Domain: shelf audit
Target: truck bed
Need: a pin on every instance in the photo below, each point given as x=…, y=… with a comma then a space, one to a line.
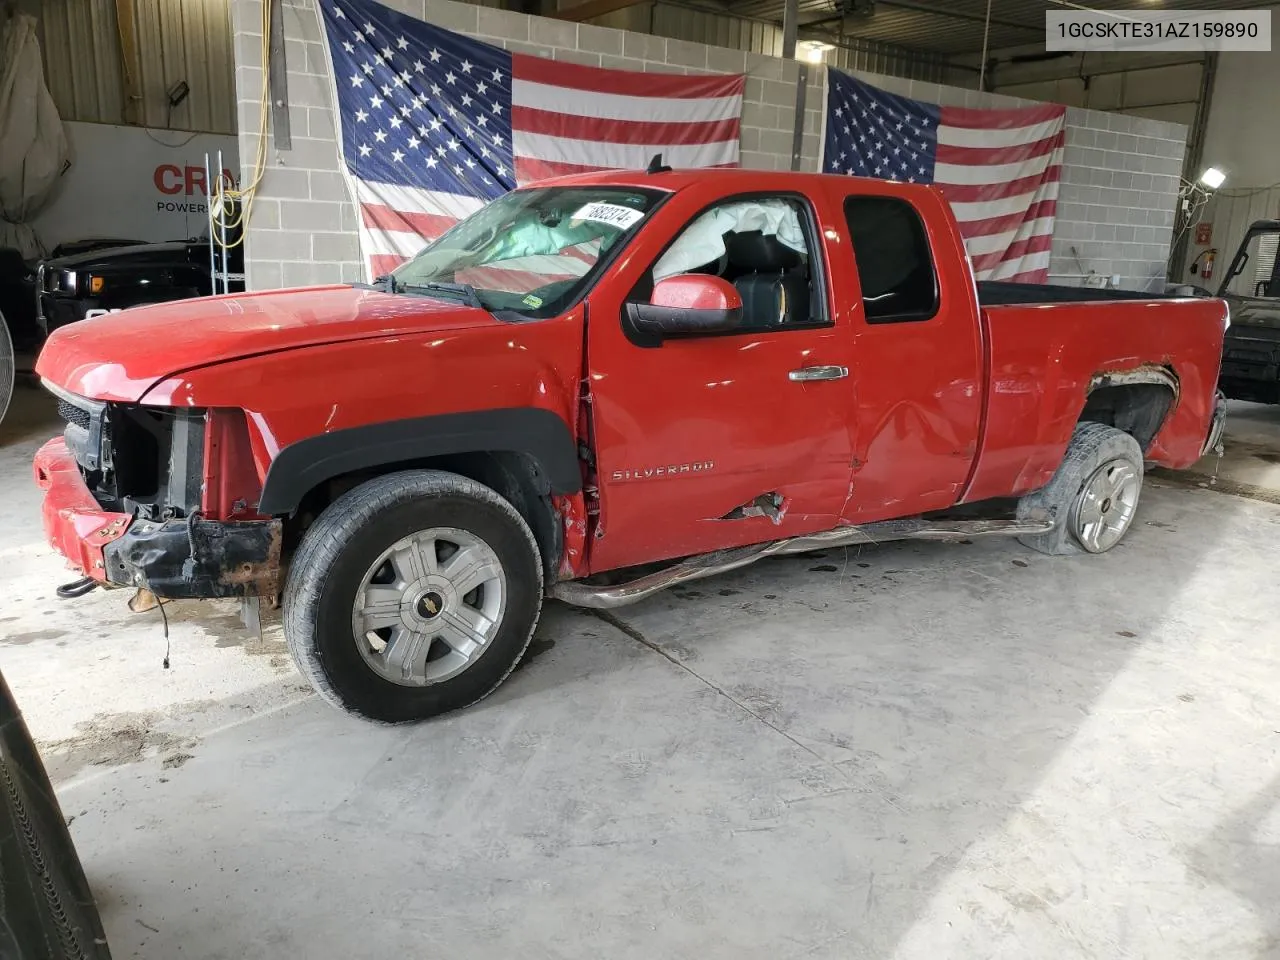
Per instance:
x=997, y=293
x=1040, y=371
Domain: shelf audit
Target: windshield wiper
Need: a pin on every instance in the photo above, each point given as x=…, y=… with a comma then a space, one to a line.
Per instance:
x=385, y=282
x=464, y=290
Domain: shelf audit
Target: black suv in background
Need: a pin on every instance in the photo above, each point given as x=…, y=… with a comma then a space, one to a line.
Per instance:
x=87, y=284
x=18, y=288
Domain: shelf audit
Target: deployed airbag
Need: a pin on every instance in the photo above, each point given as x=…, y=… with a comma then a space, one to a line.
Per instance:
x=703, y=240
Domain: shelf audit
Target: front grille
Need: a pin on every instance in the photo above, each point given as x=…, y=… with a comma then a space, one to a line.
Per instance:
x=73, y=414
x=84, y=432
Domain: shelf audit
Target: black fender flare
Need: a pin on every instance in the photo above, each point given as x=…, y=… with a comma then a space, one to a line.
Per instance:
x=541, y=434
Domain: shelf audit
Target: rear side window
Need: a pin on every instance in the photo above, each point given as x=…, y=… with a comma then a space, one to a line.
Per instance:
x=895, y=264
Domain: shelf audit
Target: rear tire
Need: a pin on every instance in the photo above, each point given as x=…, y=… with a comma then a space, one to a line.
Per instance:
x=412, y=595
x=1092, y=497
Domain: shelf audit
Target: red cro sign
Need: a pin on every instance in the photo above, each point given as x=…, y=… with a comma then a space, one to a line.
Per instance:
x=173, y=181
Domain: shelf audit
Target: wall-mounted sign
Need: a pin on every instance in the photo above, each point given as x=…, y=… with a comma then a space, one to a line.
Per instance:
x=133, y=183
x=1204, y=234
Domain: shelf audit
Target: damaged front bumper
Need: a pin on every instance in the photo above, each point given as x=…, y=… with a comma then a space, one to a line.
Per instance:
x=177, y=559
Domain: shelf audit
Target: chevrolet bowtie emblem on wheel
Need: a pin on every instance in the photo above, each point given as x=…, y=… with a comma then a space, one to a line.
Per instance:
x=430, y=605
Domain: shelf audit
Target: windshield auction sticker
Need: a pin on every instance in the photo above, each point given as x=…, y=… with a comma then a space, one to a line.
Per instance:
x=615, y=215
x=1152, y=30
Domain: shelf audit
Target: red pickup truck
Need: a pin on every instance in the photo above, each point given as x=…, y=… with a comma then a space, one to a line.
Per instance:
x=595, y=388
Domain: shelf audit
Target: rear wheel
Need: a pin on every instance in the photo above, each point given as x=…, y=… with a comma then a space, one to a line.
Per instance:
x=1093, y=496
x=412, y=595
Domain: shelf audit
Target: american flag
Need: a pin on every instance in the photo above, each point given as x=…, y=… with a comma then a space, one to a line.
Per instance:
x=435, y=124
x=999, y=169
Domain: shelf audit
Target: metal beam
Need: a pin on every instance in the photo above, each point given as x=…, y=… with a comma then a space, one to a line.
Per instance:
x=790, y=28
x=278, y=80
x=1194, y=157
x=593, y=8
x=129, y=62
x=918, y=7
x=797, y=129
x=1082, y=72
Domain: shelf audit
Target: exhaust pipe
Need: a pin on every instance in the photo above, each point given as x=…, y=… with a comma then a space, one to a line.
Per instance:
x=581, y=594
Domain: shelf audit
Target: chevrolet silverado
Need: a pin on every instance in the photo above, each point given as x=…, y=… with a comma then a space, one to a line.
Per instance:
x=595, y=388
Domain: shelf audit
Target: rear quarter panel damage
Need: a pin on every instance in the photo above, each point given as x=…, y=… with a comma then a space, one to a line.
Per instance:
x=1044, y=359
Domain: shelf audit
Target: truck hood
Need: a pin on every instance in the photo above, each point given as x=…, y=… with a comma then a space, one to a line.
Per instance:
x=1254, y=312
x=121, y=255
x=120, y=356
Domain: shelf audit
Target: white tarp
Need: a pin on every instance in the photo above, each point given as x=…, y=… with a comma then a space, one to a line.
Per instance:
x=703, y=240
x=34, y=144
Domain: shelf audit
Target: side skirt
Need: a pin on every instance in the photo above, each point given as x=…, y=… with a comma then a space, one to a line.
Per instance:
x=581, y=594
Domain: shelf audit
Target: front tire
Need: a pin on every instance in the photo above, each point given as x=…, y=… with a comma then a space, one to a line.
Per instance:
x=412, y=595
x=1093, y=496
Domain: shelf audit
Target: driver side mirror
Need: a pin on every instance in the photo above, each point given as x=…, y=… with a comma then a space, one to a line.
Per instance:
x=690, y=304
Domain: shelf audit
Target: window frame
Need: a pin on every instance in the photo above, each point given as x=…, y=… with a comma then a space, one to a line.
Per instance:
x=817, y=267
x=916, y=316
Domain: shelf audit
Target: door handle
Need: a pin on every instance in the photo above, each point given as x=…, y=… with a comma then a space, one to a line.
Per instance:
x=806, y=374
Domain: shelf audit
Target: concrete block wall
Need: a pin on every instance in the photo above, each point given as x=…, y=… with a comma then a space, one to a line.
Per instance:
x=1118, y=198
x=1116, y=203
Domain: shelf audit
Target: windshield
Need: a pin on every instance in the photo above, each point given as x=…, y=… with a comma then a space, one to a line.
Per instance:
x=1255, y=272
x=531, y=251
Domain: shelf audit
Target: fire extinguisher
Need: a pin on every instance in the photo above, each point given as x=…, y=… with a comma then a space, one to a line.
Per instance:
x=1203, y=264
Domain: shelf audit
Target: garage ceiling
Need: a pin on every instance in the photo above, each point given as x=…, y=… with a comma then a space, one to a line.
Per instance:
x=947, y=26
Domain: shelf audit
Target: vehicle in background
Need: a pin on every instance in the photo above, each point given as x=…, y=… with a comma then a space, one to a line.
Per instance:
x=93, y=282
x=71, y=248
x=47, y=911
x=595, y=388
x=18, y=288
x=1251, y=287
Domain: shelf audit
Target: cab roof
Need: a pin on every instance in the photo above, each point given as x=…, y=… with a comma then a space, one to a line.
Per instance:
x=744, y=180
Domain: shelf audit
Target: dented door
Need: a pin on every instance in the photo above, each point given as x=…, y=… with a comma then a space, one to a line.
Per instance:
x=706, y=444
x=918, y=379
x=710, y=442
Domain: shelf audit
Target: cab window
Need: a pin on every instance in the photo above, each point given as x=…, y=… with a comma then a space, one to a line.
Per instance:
x=763, y=246
x=895, y=264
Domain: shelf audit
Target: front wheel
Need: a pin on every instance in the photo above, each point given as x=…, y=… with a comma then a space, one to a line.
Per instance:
x=412, y=595
x=1093, y=496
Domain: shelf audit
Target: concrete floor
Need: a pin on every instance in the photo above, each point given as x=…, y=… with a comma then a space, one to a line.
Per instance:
x=916, y=751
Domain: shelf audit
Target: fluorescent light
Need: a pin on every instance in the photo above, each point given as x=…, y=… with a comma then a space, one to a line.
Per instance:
x=1213, y=178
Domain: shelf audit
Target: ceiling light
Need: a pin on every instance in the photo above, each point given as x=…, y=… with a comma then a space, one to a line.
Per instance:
x=813, y=51
x=1213, y=178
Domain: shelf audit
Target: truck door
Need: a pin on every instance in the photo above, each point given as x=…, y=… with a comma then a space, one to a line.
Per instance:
x=716, y=441
x=918, y=376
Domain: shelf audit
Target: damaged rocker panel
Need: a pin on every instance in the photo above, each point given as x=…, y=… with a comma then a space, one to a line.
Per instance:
x=582, y=594
x=772, y=505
